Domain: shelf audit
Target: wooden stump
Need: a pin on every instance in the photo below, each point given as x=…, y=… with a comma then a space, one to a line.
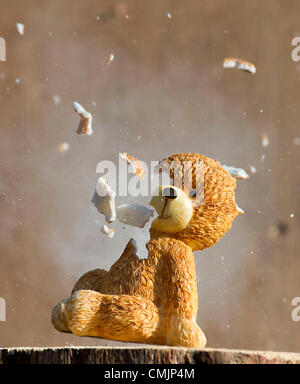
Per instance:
x=141, y=355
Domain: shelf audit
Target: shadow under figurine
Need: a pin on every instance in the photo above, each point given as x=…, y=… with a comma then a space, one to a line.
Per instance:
x=155, y=300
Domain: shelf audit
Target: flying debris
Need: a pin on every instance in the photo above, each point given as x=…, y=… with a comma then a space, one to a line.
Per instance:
x=85, y=125
x=111, y=58
x=109, y=232
x=104, y=200
x=232, y=62
x=56, y=99
x=238, y=173
x=265, y=140
x=297, y=140
x=131, y=214
x=63, y=147
x=20, y=28
x=135, y=164
x=134, y=214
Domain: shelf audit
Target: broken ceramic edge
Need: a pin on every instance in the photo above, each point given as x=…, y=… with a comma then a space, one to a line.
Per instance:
x=136, y=215
x=134, y=244
x=238, y=173
x=240, y=210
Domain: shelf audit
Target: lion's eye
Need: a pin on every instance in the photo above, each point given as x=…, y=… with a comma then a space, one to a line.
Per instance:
x=192, y=193
x=169, y=193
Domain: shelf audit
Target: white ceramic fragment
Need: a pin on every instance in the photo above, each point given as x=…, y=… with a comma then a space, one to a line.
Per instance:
x=109, y=232
x=104, y=200
x=134, y=214
x=233, y=62
x=85, y=125
x=20, y=28
x=238, y=173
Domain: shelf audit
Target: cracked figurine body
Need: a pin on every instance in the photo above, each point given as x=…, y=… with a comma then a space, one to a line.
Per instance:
x=155, y=300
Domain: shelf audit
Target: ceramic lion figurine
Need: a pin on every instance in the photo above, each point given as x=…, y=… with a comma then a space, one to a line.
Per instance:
x=155, y=300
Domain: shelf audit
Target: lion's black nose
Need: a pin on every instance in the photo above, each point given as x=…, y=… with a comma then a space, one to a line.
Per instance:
x=169, y=193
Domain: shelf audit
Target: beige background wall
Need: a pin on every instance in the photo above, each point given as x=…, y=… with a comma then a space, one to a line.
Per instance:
x=166, y=85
